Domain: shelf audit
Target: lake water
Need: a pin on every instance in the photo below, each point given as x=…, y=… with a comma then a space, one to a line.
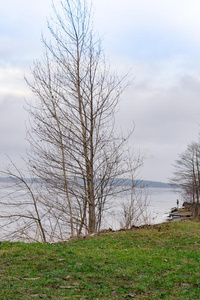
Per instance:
x=159, y=203
x=161, y=200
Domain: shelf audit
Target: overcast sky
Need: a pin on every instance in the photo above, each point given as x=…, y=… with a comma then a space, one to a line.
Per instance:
x=158, y=40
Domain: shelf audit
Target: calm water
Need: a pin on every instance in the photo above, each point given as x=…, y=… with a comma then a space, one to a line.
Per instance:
x=159, y=203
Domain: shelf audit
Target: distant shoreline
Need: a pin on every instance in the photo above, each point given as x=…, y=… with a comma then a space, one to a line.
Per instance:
x=128, y=182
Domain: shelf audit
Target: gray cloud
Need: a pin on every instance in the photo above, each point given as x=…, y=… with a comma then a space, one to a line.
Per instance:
x=12, y=124
x=166, y=120
x=158, y=40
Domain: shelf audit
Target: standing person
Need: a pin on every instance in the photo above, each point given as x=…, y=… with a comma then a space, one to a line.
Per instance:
x=177, y=202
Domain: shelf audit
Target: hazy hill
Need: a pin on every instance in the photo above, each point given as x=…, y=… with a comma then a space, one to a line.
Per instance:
x=127, y=182
x=154, y=184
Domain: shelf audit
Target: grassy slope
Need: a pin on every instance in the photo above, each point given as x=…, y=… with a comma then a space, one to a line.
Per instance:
x=161, y=263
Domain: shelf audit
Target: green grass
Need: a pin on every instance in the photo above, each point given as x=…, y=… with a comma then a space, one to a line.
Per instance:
x=159, y=263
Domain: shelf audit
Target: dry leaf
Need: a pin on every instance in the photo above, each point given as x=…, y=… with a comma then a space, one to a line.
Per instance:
x=67, y=278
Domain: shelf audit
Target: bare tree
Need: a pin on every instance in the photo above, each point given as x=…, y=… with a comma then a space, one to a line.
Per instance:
x=75, y=153
x=74, y=148
x=134, y=207
x=187, y=173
